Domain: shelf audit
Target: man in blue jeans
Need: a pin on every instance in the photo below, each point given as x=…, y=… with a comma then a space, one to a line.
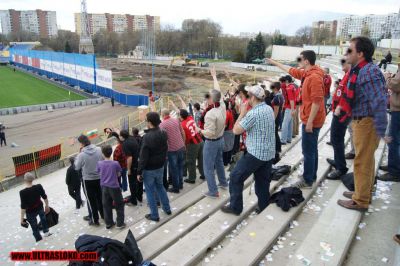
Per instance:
x=393, y=167
x=176, y=149
x=151, y=166
x=312, y=111
x=213, y=132
x=32, y=206
x=259, y=123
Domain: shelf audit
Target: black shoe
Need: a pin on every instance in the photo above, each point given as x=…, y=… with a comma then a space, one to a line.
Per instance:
x=86, y=218
x=91, y=223
x=121, y=226
x=168, y=212
x=148, y=217
x=334, y=175
x=173, y=190
x=331, y=162
x=189, y=181
x=329, y=143
x=283, y=143
x=227, y=209
x=384, y=168
x=110, y=226
x=350, y=156
x=389, y=177
x=158, y=204
x=202, y=177
x=257, y=210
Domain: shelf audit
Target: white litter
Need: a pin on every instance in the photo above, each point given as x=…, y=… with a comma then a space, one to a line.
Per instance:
x=358, y=238
x=207, y=260
x=362, y=225
x=385, y=260
x=270, y=217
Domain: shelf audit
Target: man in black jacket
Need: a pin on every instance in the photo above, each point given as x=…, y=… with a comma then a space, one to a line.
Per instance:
x=151, y=166
x=131, y=151
x=386, y=60
x=73, y=180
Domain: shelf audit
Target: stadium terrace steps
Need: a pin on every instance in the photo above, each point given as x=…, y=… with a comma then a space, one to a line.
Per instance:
x=336, y=227
x=178, y=205
x=195, y=244
x=250, y=245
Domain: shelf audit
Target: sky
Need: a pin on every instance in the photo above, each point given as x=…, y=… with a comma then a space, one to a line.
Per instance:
x=234, y=16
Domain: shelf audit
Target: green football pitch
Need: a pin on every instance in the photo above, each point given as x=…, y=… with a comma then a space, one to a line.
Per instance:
x=21, y=89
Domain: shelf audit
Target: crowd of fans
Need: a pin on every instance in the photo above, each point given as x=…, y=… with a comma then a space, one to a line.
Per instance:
x=237, y=132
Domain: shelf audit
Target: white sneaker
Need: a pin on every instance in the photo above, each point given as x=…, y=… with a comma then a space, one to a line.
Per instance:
x=301, y=184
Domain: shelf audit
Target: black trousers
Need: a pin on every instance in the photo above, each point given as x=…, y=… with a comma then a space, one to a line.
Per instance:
x=135, y=187
x=3, y=139
x=75, y=193
x=94, y=197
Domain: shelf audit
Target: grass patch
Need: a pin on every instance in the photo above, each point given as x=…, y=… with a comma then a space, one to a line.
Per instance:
x=21, y=89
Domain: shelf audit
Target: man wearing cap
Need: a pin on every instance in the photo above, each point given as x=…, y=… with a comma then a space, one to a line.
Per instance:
x=260, y=142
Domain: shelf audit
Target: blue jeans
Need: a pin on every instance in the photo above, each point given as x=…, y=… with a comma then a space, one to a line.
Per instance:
x=247, y=165
x=123, y=181
x=287, y=127
x=338, y=132
x=176, y=161
x=153, y=183
x=31, y=217
x=394, y=145
x=212, y=160
x=309, y=144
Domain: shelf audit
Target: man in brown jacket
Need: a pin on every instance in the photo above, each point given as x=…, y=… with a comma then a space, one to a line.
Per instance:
x=393, y=167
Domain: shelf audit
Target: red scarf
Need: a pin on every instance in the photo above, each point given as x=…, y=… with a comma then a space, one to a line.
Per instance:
x=347, y=101
x=203, y=115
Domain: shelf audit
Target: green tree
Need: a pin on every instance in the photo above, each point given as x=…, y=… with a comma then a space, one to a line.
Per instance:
x=239, y=57
x=251, y=52
x=279, y=39
x=259, y=47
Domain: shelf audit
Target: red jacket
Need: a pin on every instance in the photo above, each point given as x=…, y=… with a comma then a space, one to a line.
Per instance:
x=120, y=157
x=327, y=84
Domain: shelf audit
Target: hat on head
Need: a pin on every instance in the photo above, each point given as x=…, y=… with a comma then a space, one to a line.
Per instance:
x=257, y=91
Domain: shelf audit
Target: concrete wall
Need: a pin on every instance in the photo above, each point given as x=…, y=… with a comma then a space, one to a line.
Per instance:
x=324, y=49
x=41, y=107
x=389, y=43
x=285, y=53
x=263, y=67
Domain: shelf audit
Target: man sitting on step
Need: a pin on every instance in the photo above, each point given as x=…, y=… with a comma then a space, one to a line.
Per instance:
x=260, y=142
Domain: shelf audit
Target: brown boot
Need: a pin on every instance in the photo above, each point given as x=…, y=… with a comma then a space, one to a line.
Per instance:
x=397, y=239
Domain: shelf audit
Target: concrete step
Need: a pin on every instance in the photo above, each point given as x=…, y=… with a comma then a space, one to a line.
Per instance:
x=249, y=246
x=217, y=226
x=330, y=237
x=143, y=227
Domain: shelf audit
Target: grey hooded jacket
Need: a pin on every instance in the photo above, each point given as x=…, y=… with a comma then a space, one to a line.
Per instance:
x=87, y=162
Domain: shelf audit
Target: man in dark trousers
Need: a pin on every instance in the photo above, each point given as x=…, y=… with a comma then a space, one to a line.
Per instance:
x=2, y=135
x=131, y=150
x=112, y=101
x=87, y=162
x=73, y=181
x=386, y=60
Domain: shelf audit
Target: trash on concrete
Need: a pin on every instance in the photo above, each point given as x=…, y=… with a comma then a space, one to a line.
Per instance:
x=362, y=225
x=385, y=260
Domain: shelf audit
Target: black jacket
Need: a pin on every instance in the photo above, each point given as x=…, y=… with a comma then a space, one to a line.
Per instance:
x=110, y=251
x=154, y=150
x=73, y=177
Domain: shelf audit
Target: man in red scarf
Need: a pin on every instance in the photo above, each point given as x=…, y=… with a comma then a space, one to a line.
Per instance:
x=338, y=128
